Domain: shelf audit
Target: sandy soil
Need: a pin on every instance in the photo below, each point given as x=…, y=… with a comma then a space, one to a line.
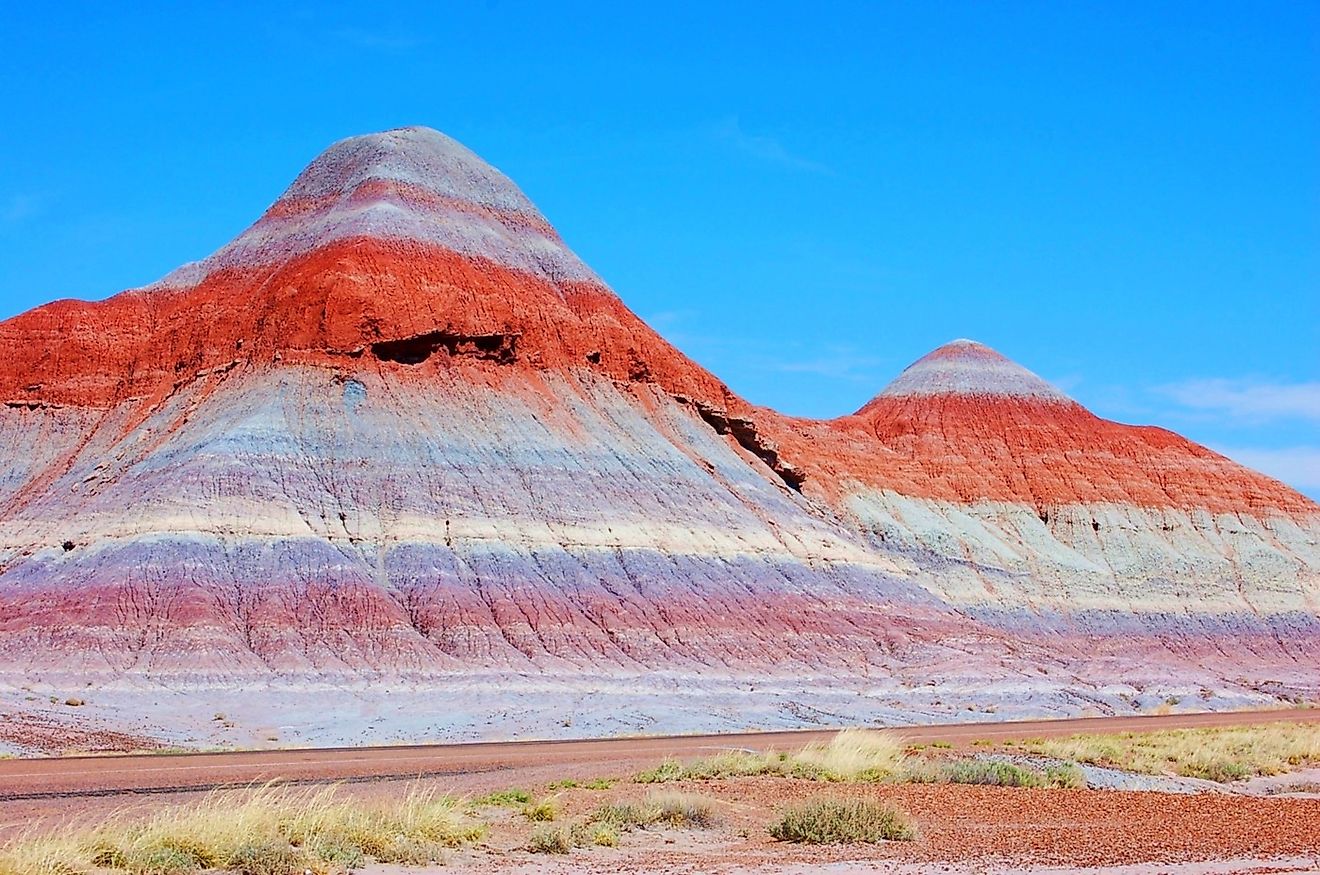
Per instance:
x=962, y=829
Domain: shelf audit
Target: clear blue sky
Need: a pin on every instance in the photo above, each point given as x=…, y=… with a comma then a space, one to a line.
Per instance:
x=1125, y=197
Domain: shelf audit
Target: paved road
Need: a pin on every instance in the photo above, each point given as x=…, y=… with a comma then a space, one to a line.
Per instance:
x=161, y=773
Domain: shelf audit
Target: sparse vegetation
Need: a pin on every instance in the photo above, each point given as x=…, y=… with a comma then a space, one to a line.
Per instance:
x=864, y=756
x=579, y=835
x=542, y=811
x=669, y=809
x=1002, y=774
x=604, y=835
x=505, y=798
x=550, y=841
x=267, y=831
x=851, y=755
x=572, y=783
x=1224, y=755
x=847, y=821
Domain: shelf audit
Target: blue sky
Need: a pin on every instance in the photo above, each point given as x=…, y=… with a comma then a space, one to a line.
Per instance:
x=1124, y=197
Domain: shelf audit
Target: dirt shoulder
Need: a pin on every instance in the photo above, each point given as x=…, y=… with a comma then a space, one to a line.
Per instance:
x=957, y=824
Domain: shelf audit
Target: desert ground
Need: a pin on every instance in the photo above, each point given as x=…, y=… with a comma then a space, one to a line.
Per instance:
x=1190, y=793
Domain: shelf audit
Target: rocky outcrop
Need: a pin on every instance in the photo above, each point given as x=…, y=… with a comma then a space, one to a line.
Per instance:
x=396, y=433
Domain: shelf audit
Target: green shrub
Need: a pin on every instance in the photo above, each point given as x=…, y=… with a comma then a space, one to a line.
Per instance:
x=505, y=798
x=669, y=770
x=843, y=821
x=999, y=774
x=1064, y=775
x=992, y=773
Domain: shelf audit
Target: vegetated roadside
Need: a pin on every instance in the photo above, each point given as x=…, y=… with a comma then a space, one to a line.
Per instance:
x=861, y=795
x=1220, y=754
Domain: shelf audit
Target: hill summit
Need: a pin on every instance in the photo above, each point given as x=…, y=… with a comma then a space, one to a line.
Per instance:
x=965, y=367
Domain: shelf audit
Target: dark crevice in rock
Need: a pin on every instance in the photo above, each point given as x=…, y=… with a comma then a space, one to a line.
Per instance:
x=499, y=347
x=745, y=433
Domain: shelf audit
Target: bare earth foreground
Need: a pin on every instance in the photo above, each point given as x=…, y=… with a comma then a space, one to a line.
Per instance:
x=962, y=828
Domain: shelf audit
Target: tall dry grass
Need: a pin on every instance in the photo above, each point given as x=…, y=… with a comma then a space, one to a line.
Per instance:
x=268, y=830
x=851, y=755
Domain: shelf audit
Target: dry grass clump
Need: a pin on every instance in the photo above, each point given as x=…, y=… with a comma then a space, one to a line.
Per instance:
x=551, y=841
x=579, y=835
x=668, y=809
x=267, y=831
x=542, y=811
x=1228, y=754
x=851, y=755
x=843, y=821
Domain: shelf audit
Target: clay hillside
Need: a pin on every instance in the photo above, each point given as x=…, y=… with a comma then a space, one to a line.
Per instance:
x=395, y=464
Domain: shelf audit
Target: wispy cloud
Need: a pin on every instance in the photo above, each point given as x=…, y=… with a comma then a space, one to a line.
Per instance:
x=1296, y=466
x=1254, y=400
x=837, y=363
x=739, y=355
x=765, y=148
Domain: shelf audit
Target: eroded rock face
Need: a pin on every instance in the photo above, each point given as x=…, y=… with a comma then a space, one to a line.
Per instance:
x=396, y=432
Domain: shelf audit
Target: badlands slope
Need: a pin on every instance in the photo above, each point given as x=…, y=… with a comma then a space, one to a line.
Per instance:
x=395, y=464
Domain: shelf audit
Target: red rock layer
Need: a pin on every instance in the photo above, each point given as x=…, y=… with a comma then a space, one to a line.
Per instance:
x=336, y=301
x=968, y=448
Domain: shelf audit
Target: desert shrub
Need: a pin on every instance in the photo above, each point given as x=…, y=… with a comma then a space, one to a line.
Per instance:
x=682, y=809
x=505, y=798
x=669, y=770
x=550, y=841
x=343, y=856
x=1064, y=775
x=604, y=835
x=992, y=773
x=670, y=809
x=266, y=857
x=843, y=821
x=543, y=811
